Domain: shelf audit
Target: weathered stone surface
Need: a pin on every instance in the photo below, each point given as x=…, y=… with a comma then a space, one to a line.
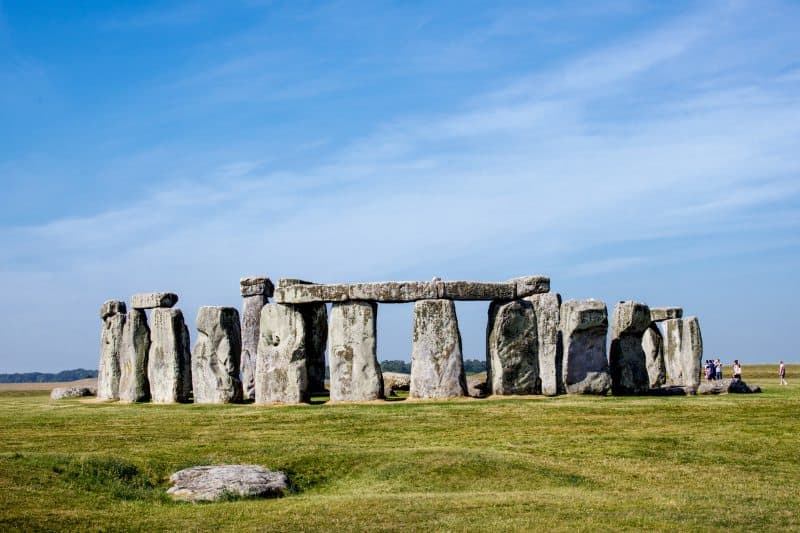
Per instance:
x=256, y=286
x=355, y=372
x=437, y=366
x=291, y=291
x=477, y=290
x=627, y=358
x=281, y=366
x=169, y=364
x=683, y=351
x=65, y=393
x=653, y=346
x=395, y=381
x=112, y=307
x=311, y=293
x=216, y=356
x=108, y=373
x=584, y=328
x=316, y=325
x=672, y=390
x=134, y=385
x=726, y=386
x=212, y=483
x=152, y=300
x=512, y=349
x=393, y=291
x=530, y=285
x=547, y=310
x=251, y=325
x=659, y=314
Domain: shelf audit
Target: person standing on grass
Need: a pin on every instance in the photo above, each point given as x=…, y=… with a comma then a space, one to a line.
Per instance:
x=737, y=370
x=782, y=373
x=718, y=369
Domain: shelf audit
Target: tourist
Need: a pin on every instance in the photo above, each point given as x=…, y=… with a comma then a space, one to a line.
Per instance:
x=707, y=370
x=737, y=370
x=718, y=369
x=782, y=373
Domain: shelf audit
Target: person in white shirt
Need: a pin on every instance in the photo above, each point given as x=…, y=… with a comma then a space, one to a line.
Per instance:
x=737, y=370
x=782, y=373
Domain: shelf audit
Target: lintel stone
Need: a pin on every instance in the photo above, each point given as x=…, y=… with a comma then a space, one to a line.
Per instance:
x=152, y=300
x=660, y=314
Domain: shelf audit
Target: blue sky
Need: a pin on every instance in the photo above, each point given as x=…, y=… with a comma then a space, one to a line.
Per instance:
x=629, y=150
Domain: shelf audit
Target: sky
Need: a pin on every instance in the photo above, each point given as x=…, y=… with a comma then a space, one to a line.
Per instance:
x=629, y=150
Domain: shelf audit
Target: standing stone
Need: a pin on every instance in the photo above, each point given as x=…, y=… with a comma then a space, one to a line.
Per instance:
x=255, y=291
x=216, y=354
x=355, y=372
x=547, y=309
x=437, y=366
x=113, y=314
x=683, y=351
x=627, y=358
x=584, y=328
x=653, y=346
x=133, y=383
x=169, y=365
x=512, y=349
x=281, y=372
x=316, y=326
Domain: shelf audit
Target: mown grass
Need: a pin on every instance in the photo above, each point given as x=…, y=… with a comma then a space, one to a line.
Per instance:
x=565, y=463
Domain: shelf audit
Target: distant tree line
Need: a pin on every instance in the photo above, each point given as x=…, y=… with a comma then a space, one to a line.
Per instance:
x=471, y=366
x=46, y=377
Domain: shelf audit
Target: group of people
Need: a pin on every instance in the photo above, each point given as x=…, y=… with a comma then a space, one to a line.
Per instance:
x=713, y=370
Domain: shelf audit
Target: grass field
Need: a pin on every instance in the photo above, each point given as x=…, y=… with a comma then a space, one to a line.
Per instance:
x=565, y=463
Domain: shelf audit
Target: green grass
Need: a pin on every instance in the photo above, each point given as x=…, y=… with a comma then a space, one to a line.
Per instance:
x=565, y=463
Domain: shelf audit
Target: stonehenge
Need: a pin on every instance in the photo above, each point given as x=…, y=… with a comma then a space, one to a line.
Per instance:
x=113, y=315
x=256, y=292
x=216, y=356
x=437, y=365
x=274, y=352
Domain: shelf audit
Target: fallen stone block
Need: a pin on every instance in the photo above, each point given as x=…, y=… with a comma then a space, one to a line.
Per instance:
x=584, y=329
x=66, y=393
x=437, y=366
x=221, y=482
x=395, y=381
x=152, y=300
x=216, y=356
x=355, y=372
x=169, y=362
